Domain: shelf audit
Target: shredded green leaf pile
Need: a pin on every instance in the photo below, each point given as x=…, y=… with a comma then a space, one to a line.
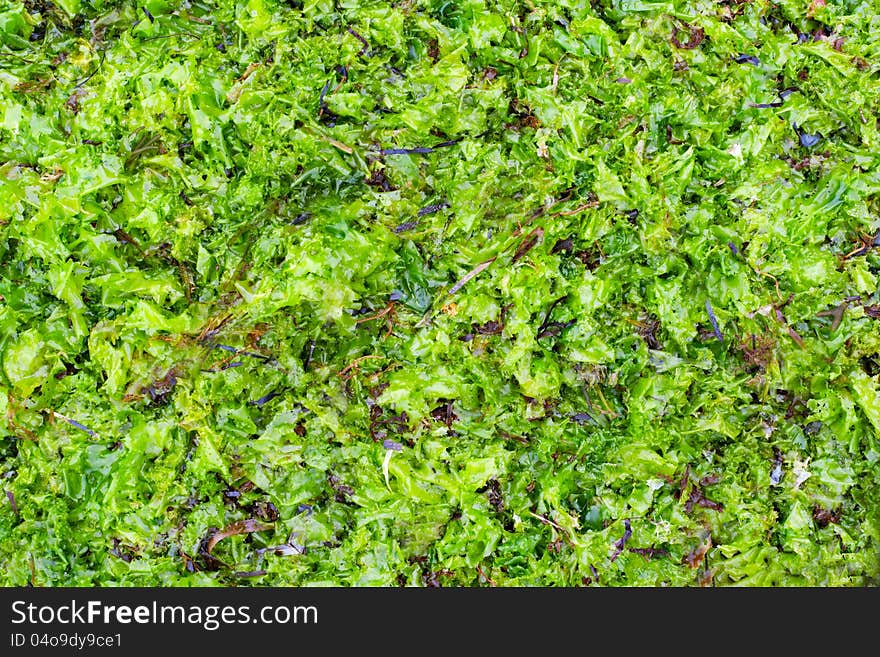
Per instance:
x=439, y=293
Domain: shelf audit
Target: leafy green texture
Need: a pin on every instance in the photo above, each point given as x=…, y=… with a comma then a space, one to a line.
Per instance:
x=440, y=293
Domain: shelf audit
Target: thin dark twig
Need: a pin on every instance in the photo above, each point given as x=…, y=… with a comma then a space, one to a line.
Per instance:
x=324, y=91
x=168, y=36
x=431, y=209
x=265, y=399
x=93, y=73
x=620, y=543
x=12, y=54
x=419, y=150
x=366, y=49
x=76, y=424
x=473, y=272
x=836, y=313
x=528, y=243
x=778, y=103
x=406, y=151
x=549, y=314
x=714, y=320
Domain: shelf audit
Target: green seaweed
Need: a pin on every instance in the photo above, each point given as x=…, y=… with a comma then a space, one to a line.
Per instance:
x=440, y=293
